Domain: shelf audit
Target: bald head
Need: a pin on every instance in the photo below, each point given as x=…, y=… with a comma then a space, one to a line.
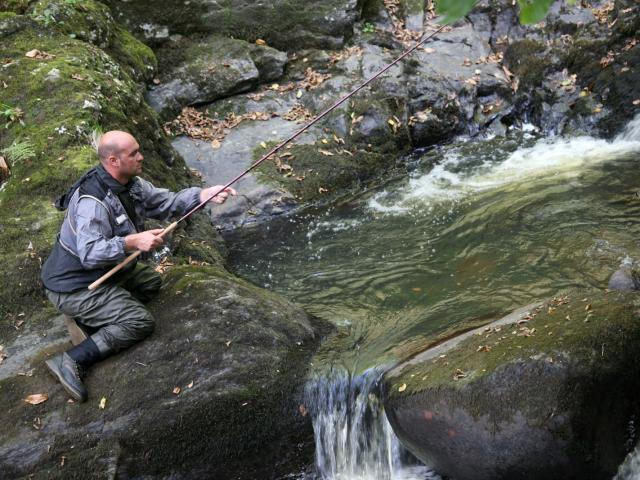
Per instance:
x=113, y=143
x=120, y=155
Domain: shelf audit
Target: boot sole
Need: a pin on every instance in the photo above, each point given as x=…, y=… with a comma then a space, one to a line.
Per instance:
x=77, y=334
x=53, y=369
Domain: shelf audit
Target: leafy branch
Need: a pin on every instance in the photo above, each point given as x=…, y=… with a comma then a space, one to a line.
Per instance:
x=531, y=11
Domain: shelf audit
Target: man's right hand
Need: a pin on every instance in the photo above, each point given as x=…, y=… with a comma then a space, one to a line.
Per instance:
x=143, y=241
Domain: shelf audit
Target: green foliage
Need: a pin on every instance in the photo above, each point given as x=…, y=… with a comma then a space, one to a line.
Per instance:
x=531, y=11
x=12, y=114
x=368, y=28
x=19, y=151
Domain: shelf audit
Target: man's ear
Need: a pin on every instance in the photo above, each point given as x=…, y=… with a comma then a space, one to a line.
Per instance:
x=113, y=161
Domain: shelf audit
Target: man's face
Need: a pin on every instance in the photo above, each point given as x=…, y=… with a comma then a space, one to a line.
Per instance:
x=130, y=159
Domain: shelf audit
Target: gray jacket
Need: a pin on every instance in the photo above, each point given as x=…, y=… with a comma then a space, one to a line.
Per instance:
x=91, y=238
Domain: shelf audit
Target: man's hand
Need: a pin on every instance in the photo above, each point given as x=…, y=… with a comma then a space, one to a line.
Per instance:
x=219, y=198
x=144, y=241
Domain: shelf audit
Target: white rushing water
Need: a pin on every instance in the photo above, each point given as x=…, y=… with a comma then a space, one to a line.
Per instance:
x=354, y=440
x=451, y=179
x=630, y=468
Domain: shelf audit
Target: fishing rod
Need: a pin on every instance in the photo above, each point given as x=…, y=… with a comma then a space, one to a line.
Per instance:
x=315, y=120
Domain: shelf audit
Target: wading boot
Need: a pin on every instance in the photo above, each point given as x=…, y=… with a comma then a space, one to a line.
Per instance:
x=76, y=332
x=69, y=374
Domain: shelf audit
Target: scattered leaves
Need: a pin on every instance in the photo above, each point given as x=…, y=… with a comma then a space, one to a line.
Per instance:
x=348, y=52
x=164, y=265
x=313, y=79
x=196, y=124
x=298, y=113
x=37, y=398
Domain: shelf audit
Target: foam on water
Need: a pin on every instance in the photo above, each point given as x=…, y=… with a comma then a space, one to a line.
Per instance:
x=559, y=157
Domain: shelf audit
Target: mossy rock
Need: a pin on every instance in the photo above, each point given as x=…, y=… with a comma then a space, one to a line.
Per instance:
x=59, y=101
x=526, y=59
x=547, y=392
x=239, y=355
x=14, y=6
x=284, y=24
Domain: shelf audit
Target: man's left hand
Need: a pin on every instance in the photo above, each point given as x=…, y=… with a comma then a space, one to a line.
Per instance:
x=220, y=197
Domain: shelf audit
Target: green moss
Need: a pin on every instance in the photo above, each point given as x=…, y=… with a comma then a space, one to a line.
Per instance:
x=132, y=53
x=6, y=15
x=85, y=20
x=14, y=6
x=526, y=60
x=593, y=328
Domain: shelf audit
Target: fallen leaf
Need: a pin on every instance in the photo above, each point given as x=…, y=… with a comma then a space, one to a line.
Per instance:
x=190, y=384
x=635, y=102
x=459, y=374
x=103, y=403
x=274, y=86
x=325, y=152
x=263, y=145
x=303, y=410
x=176, y=390
x=322, y=190
x=260, y=41
x=227, y=343
x=37, y=398
x=402, y=387
x=39, y=55
x=4, y=169
x=587, y=307
x=215, y=144
x=416, y=289
x=484, y=348
x=77, y=76
x=299, y=93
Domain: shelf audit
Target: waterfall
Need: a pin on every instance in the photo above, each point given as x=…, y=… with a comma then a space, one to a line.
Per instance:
x=630, y=468
x=354, y=440
x=631, y=133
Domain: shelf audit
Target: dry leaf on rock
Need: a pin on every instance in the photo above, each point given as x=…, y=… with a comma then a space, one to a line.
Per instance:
x=176, y=390
x=37, y=398
x=215, y=144
x=260, y=41
x=39, y=55
x=402, y=387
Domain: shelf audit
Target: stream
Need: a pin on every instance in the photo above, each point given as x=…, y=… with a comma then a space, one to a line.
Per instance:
x=475, y=230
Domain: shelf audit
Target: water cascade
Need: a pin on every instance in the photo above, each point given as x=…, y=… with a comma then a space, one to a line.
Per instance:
x=509, y=219
x=354, y=440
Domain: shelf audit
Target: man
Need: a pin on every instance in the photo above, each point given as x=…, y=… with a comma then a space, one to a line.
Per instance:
x=104, y=223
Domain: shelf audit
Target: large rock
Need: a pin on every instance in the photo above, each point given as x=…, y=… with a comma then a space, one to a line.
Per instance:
x=285, y=24
x=547, y=392
x=238, y=353
x=212, y=68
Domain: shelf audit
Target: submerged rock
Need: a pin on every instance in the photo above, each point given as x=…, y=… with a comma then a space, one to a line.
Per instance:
x=547, y=392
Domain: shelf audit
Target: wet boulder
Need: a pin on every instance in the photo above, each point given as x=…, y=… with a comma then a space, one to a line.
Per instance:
x=549, y=391
x=212, y=68
x=211, y=394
